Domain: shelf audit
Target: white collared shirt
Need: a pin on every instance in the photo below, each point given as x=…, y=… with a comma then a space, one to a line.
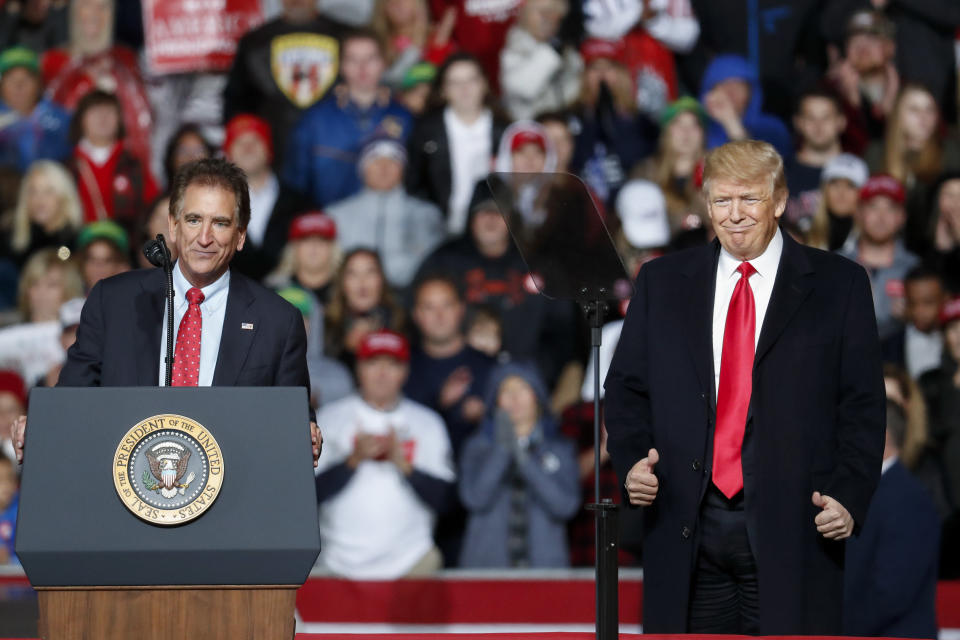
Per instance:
x=761, y=283
x=262, y=202
x=922, y=351
x=212, y=311
x=887, y=463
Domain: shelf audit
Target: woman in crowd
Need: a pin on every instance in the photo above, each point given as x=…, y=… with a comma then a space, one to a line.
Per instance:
x=519, y=479
x=453, y=145
x=945, y=221
x=47, y=213
x=361, y=302
x=941, y=389
x=187, y=144
x=916, y=454
x=404, y=28
x=915, y=152
x=92, y=61
x=840, y=183
x=33, y=346
x=680, y=150
x=311, y=257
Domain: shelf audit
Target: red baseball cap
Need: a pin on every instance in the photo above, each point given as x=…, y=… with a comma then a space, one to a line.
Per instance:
x=11, y=382
x=882, y=185
x=527, y=137
x=315, y=223
x=245, y=123
x=384, y=343
x=950, y=311
x=594, y=49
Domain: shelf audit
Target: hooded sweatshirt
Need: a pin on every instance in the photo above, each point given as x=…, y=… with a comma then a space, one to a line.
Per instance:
x=760, y=126
x=546, y=467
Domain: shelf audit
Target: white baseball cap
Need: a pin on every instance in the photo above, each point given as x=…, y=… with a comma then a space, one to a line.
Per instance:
x=643, y=213
x=846, y=166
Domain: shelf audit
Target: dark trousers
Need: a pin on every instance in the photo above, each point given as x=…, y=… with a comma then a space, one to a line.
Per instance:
x=724, y=595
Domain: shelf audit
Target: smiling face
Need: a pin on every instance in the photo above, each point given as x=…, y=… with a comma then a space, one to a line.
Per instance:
x=744, y=215
x=362, y=283
x=206, y=233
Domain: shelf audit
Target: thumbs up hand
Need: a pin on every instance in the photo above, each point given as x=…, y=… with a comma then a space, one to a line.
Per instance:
x=641, y=484
x=834, y=522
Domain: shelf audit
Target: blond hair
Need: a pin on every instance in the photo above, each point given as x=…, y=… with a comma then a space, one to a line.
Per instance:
x=746, y=161
x=915, y=411
x=380, y=24
x=900, y=162
x=68, y=210
x=39, y=264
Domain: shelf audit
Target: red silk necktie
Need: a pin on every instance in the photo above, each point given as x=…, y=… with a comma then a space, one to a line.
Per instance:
x=736, y=385
x=186, y=357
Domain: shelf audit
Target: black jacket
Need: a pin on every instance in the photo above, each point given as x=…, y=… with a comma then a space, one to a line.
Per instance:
x=817, y=424
x=429, y=173
x=256, y=262
x=266, y=65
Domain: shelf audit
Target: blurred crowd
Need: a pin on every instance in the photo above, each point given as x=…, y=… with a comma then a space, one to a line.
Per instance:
x=455, y=400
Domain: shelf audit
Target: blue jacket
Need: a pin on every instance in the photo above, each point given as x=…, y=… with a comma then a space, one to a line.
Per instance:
x=760, y=126
x=8, y=527
x=41, y=135
x=550, y=472
x=890, y=582
x=322, y=154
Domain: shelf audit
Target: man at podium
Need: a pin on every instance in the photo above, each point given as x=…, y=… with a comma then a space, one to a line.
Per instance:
x=229, y=330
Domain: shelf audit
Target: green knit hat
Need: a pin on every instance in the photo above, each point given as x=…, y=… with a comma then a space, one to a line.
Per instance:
x=298, y=298
x=420, y=73
x=19, y=57
x=682, y=105
x=103, y=230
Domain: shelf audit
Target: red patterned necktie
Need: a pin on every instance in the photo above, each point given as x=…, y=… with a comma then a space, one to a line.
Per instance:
x=186, y=357
x=736, y=385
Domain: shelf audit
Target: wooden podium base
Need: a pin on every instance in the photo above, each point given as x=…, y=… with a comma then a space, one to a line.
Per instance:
x=216, y=612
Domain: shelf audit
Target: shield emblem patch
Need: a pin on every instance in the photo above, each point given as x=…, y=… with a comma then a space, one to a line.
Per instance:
x=304, y=65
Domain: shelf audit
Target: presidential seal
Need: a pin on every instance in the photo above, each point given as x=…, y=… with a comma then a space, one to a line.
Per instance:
x=168, y=469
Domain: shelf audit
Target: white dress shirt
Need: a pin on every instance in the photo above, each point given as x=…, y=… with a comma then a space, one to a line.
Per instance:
x=212, y=310
x=761, y=283
x=470, y=154
x=261, y=207
x=922, y=351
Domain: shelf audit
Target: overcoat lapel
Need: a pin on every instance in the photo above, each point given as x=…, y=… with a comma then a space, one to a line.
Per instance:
x=792, y=286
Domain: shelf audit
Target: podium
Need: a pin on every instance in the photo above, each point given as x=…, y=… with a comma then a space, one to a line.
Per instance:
x=148, y=512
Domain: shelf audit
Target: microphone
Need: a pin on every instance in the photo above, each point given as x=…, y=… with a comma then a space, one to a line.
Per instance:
x=157, y=252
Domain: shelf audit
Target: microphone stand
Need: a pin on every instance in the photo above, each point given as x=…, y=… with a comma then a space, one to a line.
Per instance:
x=157, y=252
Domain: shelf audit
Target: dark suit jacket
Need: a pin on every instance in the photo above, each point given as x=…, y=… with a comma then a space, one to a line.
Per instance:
x=891, y=574
x=816, y=422
x=118, y=341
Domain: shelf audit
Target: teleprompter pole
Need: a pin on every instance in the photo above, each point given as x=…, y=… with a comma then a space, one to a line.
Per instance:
x=605, y=512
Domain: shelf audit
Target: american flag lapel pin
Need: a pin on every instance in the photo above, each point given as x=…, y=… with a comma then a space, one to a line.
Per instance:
x=246, y=325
